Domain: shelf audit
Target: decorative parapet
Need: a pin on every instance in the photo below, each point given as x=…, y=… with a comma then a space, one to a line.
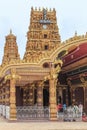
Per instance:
x=41, y=9
x=76, y=38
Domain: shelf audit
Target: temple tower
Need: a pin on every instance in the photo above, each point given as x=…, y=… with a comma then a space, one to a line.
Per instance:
x=10, y=49
x=43, y=35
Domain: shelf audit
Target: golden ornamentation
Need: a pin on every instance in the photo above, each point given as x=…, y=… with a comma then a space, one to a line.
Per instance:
x=13, y=75
x=9, y=53
x=82, y=78
x=69, y=81
x=39, y=100
x=37, y=45
x=43, y=45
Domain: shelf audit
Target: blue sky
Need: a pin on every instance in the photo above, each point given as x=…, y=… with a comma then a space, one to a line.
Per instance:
x=15, y=15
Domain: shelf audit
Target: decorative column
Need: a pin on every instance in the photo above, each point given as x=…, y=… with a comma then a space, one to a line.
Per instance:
x=40, y=99
x=40, y=94
x=52, y=98
x=13, y=112
x=27, y=96
x=12, y=77
x=31, y=95
x=73, y=95
x=85, y=98
x=52, y=77
x=24, y=97
x=84, y=82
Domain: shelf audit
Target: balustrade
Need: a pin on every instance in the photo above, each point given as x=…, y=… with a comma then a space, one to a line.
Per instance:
x=31, y=113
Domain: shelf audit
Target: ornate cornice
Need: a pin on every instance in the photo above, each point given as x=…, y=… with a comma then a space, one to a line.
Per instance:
x=54, y=71
x=13, y=75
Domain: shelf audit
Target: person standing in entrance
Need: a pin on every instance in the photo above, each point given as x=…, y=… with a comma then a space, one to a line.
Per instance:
x=81, y=108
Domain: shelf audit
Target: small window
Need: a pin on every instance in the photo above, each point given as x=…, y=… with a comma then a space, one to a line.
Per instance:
x=46, y=47
x=45, y=35
x=46, y=65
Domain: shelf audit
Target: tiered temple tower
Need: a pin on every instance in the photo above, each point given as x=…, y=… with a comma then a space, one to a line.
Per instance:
x=10, y=49
x=43, y=35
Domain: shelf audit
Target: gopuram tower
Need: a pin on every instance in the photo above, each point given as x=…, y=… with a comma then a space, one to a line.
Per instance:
x=10, y=49
x=43, y=35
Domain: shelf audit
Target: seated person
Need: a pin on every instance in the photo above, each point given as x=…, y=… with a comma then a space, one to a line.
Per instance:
x=59, y=107
x=84, y=117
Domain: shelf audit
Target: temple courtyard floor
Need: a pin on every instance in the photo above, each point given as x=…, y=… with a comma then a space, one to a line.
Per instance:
x=41, y=125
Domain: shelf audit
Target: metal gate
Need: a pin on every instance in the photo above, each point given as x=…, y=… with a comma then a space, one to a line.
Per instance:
x=32, y=113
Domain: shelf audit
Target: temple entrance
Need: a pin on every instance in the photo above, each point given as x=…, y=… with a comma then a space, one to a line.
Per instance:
x=79, y=95
x=45, y=97
x=32, y=112
x=19, y=96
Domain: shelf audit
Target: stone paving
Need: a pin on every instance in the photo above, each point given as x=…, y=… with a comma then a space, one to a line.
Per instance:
x=32, y=125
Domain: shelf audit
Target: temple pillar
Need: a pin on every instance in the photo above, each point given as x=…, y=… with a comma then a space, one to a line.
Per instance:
x=31, y=95
x=40, y=94
x=85, y=99
x=73, y=95
x=55, y=68
x=27, y=96
x=13, y=112
x=52, y=100
x=40, y=99
x=52, y=93
x=24, y=96
x=84, y=83
x=12, y=77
